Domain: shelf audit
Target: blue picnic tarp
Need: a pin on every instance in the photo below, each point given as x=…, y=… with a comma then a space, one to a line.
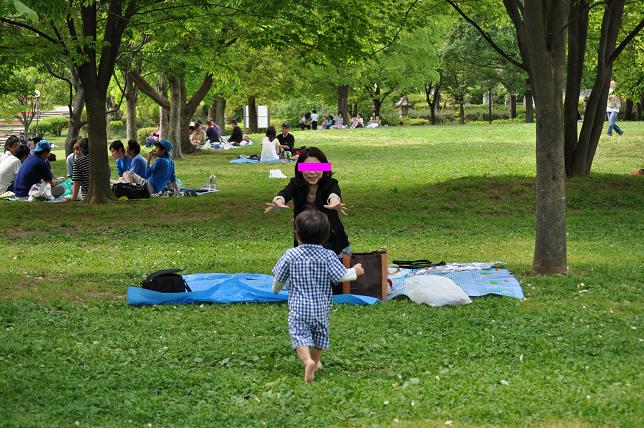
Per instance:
x=227, y=288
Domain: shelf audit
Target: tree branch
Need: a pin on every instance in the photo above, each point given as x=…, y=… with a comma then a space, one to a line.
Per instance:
x=487, y=37
x=32, y=29
x=148, y=90
x=618, y=50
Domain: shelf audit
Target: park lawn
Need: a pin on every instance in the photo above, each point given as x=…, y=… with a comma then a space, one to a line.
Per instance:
x=569, y=355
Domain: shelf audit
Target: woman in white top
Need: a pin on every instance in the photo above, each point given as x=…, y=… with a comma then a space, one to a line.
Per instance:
x=271, y=148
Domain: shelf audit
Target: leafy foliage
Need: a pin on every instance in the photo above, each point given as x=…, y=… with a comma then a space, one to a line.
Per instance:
x=54, y=125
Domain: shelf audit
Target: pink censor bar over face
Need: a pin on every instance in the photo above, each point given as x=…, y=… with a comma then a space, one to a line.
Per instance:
x=313, y=166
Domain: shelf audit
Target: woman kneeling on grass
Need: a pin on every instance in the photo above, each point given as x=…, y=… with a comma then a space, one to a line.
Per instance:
x=316, y=190
x=311, y=270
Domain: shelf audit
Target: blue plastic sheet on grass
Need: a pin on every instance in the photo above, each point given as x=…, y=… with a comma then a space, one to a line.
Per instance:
x=228, y=288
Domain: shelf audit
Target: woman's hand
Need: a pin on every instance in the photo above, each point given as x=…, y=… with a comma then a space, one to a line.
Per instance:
x=336, y=204
x=275, y=204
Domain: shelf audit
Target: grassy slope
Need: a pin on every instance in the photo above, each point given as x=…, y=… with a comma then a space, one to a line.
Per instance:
x=73, y=350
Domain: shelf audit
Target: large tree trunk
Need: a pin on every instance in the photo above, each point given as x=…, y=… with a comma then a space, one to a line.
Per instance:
x=595, y=116
x=577, y=36
x=640, y=107
x=252, y=114
x=343, y=97
x=461, y=111
x=544, y=38
x=164, y=113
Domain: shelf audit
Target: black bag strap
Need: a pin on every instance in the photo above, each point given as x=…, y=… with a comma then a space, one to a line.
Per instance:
x=417, y=264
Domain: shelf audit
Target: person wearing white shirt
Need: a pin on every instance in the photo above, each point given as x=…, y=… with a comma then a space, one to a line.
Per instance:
x=10, y=147
x=10, y=166
x=271, y=147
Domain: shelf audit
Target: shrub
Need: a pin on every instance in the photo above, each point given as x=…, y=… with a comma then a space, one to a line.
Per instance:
x=117, y=128
x=414, y=121
x=143, y=133
x=53, y=125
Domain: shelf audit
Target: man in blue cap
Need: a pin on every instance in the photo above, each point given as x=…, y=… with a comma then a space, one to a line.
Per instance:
x=158, y=173
x=35, y=169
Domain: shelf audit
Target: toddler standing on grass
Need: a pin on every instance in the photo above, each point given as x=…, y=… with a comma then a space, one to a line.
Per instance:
x=310, y=270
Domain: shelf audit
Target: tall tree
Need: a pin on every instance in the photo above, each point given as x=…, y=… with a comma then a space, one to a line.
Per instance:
x=540, y=27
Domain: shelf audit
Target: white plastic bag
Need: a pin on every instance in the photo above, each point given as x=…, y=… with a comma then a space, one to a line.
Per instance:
x=40, y=190
x=435, y=290
x=276, y=173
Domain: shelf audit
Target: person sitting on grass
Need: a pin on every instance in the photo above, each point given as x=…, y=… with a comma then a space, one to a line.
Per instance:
x=212, y=131
x=69, y=162
x=118, y=153
x=198, y=136
x=311, y=270
x=157, y=174
x=271, y=147
x=286, y=139
x=10, y=166
x=138, y=164
x=237, y=135
x=80, y=174
x=10, y=147
x=357, y=122
x=35, y=169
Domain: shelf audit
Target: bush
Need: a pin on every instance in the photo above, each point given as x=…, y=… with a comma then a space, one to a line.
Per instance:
x=53, y=125
x=117, y=128
x=414, y=121
x=143, y=133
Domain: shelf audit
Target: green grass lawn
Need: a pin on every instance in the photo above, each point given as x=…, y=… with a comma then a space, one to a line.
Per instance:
x=570, y=355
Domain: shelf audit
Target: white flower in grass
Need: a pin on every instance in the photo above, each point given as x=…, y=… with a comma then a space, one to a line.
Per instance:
x=450, y=423
x=504, y=382
x=386, y=402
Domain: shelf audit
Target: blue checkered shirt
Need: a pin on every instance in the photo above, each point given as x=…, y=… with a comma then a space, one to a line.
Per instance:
x=311, y=270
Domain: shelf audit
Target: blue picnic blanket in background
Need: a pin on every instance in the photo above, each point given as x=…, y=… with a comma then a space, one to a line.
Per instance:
x=228, y=288
x=475, y=282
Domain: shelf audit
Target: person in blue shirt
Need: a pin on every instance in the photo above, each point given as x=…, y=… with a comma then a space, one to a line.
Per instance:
x=157, y=174
x=118, y=153
x=138, y=164
x=35, y=169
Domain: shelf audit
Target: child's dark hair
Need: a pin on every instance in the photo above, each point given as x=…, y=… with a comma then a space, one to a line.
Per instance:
x=134, y=147
x=117, y=145
x=22, y=151
x=312, y=227
x=310, y=152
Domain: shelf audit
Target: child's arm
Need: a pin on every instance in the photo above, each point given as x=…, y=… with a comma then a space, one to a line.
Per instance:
x=353, y=273
x=277, y=286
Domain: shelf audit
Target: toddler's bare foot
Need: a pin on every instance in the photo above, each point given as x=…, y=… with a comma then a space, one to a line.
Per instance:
x=319, y=366
x=309, y=371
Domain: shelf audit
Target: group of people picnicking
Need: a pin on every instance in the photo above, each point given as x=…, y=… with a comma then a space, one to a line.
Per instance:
x=310, y=120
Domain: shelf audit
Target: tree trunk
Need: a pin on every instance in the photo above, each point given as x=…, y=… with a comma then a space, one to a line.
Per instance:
x=591, y=129
x=461, y=110
x=99, y=184
x=174, y=124
x=343, y=97
x=252, y=114
x=376, y=106
x=529, y=105
x=628, y=111
x=513, y=105
x=131, y=96
x=577, y=36
x=489, y=105
x=432, y=95
x=640, y=107
x=544, y=47
x=220, y=116
x=75, y=113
